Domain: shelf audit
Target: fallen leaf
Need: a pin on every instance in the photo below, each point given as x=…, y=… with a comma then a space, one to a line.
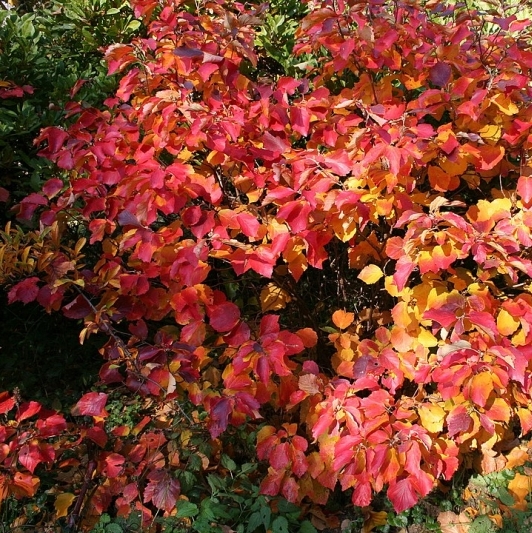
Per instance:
x=453, y=523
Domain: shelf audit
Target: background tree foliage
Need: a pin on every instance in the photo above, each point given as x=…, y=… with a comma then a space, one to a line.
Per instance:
x=300, y=236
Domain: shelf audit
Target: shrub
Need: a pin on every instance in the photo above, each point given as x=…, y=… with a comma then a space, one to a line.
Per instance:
x=339, y=261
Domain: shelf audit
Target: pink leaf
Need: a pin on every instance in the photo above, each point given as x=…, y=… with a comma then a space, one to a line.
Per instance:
x=91, y=404
x=458, y=420
x=524, y=189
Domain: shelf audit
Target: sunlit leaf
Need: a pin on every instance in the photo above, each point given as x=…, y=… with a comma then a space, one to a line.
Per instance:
x=371, y=274
x=274, y=298
x=342, y=319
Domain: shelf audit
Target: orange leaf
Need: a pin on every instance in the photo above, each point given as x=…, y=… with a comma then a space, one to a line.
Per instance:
x=343, y=319
x=24, y=485
x=517, y=457
x=480, y=387
x=273, y=298
x=370, y=274
x=308, y=337
x=503, y=102
x=520, y=487
x=373, y=519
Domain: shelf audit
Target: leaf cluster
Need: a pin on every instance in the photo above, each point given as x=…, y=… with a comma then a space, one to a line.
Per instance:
x=343, y=255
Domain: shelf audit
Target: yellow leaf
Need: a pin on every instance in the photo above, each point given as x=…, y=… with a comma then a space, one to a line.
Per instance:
x=62, y=503
x=491, y=132
x=273, y=298
x=506, y=323
x=432, y=417
x=370, y=274
x=504, y=103
x=342, y=319
x=427, y=339
x=391, y=287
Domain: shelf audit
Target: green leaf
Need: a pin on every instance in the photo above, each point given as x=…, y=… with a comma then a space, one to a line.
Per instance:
x=505, y=496
x=186, y=509
x=285, y=507
x=113, y=528
x=307, y=527
x=228, y=463
x=216, y=483
x=265, y=515
x=134, y=25
x=280, y=525
x=254, y=522
x=482, y=524
x=113, y=11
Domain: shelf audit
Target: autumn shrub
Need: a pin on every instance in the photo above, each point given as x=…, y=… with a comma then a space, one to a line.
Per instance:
x=334, y=261
x=50, y=51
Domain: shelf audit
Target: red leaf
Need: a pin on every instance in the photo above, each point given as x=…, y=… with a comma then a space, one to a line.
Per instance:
x=403, y=269
x=224, y=317
x=195, y=53
x=52, y=187
x=55, y=137
x=362, y=495
x=220, y=416
x=29, y=457
x=79, y=307
x=274, y=144
x=402, y=495
x=485, y=321
x=25, y=291
x=91, y=404
x=97, y=435
x=271, y=484
x=162, y=490
x=290, y=490
x=296, y=215
x=6, y=403
x=113, y=465
x=300, y=118
x=4, y=195
x=280, y=457
x=27, y=410
x=51, y=426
